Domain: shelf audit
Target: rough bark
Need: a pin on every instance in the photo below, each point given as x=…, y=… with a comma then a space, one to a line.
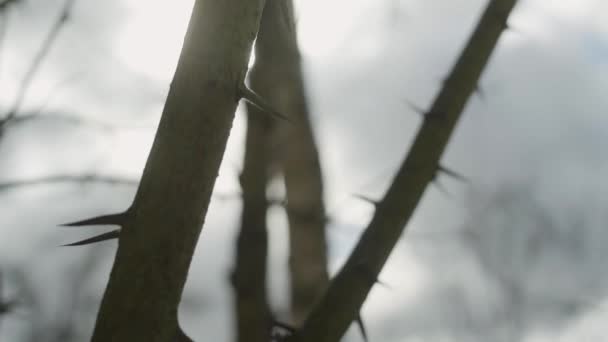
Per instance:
x=348, y=290
x=278, y=56
x=158, y=240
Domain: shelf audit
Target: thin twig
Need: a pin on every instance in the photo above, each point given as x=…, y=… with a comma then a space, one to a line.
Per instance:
x=58, y=179
x=45, y=48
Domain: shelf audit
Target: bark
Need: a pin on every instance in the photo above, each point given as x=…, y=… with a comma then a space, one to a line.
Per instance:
x=157, y=242
x=278, y=55
x=341, y=303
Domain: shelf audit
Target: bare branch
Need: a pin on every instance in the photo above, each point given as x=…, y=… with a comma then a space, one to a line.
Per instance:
x=157, y=243
x=349, y=289
x=46, y=46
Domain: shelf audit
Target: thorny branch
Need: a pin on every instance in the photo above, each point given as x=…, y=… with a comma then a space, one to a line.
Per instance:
x=349, y=289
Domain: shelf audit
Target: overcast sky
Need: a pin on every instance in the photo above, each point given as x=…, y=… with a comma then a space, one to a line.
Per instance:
x=541, y=122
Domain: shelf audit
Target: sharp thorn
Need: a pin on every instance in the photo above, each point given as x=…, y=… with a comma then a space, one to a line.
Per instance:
x=367, y=199
x=284, y=326
x=369, y=274
x=359, y=321
x=504, y=23
x=256, y=100
x=441, y=188
x=415, y=108
x=111, y=219
x=452, y=173
x=98, y=238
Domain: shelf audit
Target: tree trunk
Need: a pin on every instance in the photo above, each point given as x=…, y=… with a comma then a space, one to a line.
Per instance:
x=157, y=241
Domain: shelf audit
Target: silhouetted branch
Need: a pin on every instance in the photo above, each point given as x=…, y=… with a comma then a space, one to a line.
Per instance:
x=348, y=291
x=278, y=59
x=252, y=311
x=174, y=193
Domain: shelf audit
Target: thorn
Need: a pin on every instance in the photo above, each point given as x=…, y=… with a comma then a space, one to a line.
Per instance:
x=359, y=321
x=112, y=219
x=504, y=23
x=503, y=19
x=256, y=100
x=370, y=275
x=451, y=173
x=114, y=234
x=284, y=326
x=415, y=108
x=367, y=199
x=424, y=113
x=441, y=188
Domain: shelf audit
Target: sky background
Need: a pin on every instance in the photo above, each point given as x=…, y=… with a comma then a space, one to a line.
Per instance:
x=517, y=254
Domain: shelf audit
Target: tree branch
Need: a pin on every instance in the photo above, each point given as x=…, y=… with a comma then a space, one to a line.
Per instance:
x=298, y=157
x=157, y=242
x=348, y=291
x=253, y=318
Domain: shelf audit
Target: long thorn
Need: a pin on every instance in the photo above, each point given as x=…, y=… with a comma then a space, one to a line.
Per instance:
x=452, y=173
x=359, y=321
x=112, y=219
x=415, y=108
x=256, y=100
x=441, y=188
x=114, y=234
x=367, y=199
